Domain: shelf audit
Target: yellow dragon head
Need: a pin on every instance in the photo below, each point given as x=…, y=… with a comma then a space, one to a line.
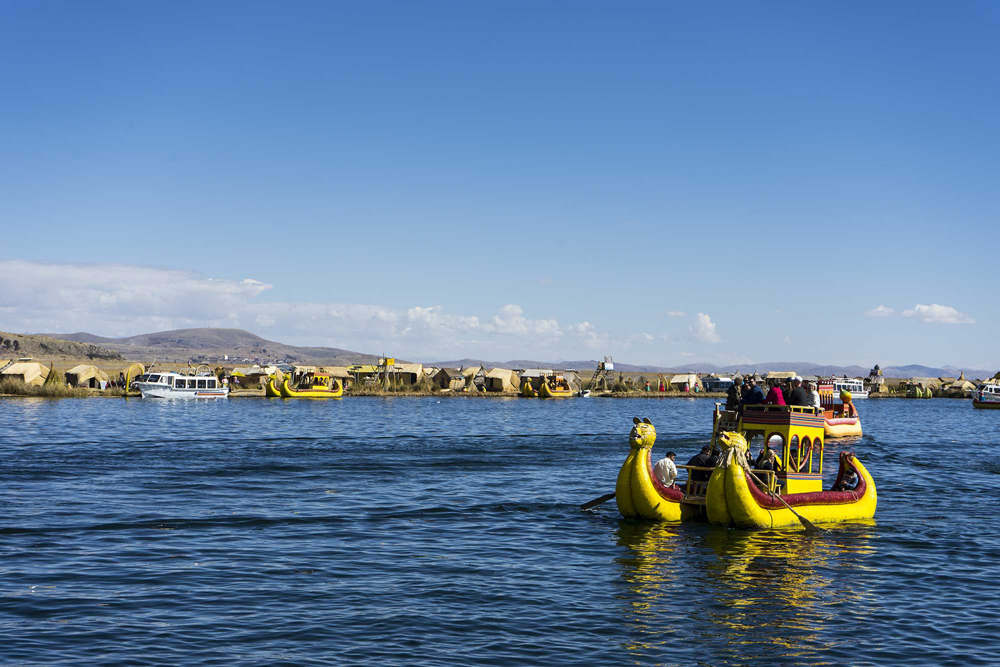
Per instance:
x=732, y=440
x=643, y=434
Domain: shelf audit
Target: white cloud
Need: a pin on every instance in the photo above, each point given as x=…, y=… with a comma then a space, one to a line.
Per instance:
x=686, y=354
x=787, y=339
x=704, y=329
x=880, y=311
x=938, y=314
x=510, y=320
x=123, y=300
x=676, y=313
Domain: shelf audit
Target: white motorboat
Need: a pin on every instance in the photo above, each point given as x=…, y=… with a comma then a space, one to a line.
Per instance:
x=177, y=385
x=836, y=385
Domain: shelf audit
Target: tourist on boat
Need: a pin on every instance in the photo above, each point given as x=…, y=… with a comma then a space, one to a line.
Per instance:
x=812, y=396
x=700, y=460
x=713, y=460
x=775, y=397
x=798, y=396
x=665, y=470
x=734, y=398
x=765, y=460
x=848, y=483
x=754, y=395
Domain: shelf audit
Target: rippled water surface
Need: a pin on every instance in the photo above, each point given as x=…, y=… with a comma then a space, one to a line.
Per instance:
x=416, y=531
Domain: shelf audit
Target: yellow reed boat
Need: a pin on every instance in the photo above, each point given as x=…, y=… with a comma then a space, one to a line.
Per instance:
x=313, y=385
x=555, y=386
x=841, y=419
x=271, y=388
x=638, y=492
x=738, y=495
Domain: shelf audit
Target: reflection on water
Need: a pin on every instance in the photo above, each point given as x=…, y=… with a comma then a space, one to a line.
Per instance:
x=750, y=594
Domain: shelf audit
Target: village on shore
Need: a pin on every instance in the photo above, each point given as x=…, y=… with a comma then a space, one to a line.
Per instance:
x=27, y=376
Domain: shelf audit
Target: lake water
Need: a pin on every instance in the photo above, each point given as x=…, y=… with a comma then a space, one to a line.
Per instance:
x=425, y=532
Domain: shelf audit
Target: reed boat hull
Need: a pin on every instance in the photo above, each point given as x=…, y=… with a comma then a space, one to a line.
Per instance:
x=548, y=392
x=747, y=506
x=638, y=492
x=528, y=391
x=842, y=427
x=288, y=392
x=641, y=496
x=271, y=389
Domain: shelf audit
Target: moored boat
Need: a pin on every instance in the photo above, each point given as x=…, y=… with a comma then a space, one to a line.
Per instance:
x=555, y=386
x=312, y=385
x=176, y=385
x=834, y=385
x=986, y=397
x=271, y=388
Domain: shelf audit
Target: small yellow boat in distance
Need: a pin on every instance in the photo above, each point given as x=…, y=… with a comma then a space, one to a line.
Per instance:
x=271, y=388
x=313, y=385
x=555, y=386
x=841, y=419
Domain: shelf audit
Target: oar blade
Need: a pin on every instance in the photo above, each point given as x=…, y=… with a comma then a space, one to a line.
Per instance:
x=597, y=501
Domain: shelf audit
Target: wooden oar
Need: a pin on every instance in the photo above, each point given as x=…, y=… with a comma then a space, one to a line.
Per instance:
x=809, y=525
x=597, y=501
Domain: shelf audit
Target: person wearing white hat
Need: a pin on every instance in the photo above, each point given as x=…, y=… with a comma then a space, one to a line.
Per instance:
x=799, y=396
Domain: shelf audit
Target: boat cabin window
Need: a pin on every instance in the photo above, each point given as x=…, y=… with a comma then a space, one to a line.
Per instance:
x=776, y=442
x=201, y=384
x=154, y=378
x=211, y=384
x=180, y=383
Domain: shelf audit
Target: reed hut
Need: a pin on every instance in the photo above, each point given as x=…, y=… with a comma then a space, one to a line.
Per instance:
x=501, y=380
x=26, y=371
x=343, y=374
x=87, y=375
x=475, y=377
x=691, y=380
x=409, y=373
x=450, y=378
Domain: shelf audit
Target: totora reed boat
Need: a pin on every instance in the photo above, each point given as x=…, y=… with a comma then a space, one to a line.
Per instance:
x=736, y=493
x=841, y=420
x=555, y=386
x=312, y=385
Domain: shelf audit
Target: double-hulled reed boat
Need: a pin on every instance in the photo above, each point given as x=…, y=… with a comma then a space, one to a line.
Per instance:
x=738, y=494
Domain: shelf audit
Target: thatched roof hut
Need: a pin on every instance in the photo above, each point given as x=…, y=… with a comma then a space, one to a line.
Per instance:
x=28, y=372
x=501, y=380
x=678, y=382
x=86, y=375
x=450, y=378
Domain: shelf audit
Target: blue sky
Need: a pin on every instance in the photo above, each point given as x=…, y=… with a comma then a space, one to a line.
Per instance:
x=555, y=180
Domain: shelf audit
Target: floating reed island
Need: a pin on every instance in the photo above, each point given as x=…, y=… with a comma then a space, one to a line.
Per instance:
x=116, y=378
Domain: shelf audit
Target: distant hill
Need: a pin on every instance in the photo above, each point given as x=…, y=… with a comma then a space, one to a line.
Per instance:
x=47, y=348
x=213, y=345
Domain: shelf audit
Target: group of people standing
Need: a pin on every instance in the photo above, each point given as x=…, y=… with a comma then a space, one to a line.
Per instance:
x=749, y=392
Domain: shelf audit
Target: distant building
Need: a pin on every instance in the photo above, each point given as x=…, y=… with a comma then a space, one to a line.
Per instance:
x=86, y=375
x=450, y=378
x=501, y=380
x=27, y=371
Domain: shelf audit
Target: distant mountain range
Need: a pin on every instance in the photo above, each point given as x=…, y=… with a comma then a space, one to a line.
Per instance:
x=212, y=345
x=801, y=367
